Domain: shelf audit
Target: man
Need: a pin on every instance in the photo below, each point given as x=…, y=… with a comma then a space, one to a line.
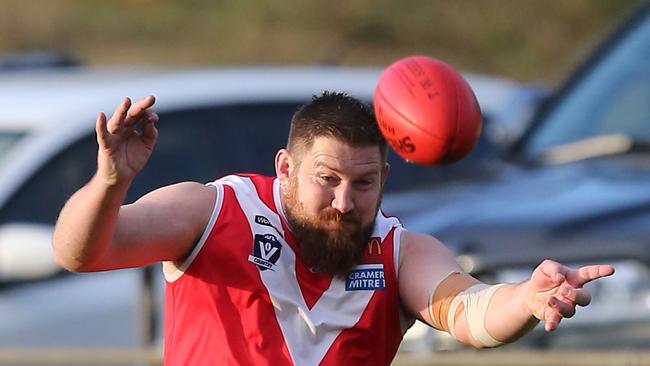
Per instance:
x=300, y=269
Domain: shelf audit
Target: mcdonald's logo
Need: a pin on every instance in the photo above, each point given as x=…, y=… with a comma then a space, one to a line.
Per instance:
x=374, y=243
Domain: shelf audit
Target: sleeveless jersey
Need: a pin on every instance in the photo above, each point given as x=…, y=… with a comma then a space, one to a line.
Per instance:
x=244, y=297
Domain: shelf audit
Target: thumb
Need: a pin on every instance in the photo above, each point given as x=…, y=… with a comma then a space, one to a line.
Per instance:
x=101, y=130
x=149, y=132
x=549, y=274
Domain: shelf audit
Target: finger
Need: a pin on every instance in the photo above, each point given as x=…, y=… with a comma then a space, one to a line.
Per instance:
x=149, y=134
x=148, y=120
x=101, y=130
x=138, y=110
x=148, y=117
x=552, y=321
x=583, y=275
x=564, y=309
x=578, y=296
x=118, y=117
x=554, y=271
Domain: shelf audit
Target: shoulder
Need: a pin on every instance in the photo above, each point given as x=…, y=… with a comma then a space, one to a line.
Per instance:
x=183, y=192
x=417, y=246
x=423, y=264
x=188, y=201
x=424, y=261
x=245, y=182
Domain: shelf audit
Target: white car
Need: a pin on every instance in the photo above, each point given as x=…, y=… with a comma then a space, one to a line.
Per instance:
x=212, y=122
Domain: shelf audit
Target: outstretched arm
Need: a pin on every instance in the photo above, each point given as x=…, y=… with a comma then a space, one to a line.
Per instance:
x=95, y=232
x=438, y=292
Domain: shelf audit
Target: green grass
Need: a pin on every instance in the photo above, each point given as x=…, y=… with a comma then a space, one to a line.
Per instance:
x=537, y=40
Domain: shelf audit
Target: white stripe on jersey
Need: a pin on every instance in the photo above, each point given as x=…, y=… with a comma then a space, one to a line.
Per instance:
x=308, y=333
x=171, y=271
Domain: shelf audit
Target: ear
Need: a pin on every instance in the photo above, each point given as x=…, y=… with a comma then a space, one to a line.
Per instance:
x=384, y=174
x=283, y=164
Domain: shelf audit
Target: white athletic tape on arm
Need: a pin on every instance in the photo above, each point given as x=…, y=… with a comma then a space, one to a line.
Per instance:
x=451, y=316
x=475, y=300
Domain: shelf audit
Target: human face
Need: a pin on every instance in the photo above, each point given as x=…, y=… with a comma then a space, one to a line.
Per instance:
x=331, y=198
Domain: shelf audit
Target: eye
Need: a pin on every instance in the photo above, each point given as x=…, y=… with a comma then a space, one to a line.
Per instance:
x=327, y=179
x=365, y=183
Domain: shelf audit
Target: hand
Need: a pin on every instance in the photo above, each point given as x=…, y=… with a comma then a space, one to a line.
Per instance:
x=126, y=140
x=555, y=290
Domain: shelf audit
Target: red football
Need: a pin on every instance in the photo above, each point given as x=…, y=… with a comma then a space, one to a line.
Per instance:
x=426, y=111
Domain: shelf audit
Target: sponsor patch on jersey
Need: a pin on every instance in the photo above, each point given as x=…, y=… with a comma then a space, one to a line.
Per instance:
x=366, y=277
x=266, y=251
x=262, y=220
x=372, y=253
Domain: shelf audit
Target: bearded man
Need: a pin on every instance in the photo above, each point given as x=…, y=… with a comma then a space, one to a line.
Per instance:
x=298, y=269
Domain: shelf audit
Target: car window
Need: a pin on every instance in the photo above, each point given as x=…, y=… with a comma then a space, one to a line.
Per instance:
x=198, y=144
x=43, y=195
x=405, y=176
x=611, y=99
x=205, y=144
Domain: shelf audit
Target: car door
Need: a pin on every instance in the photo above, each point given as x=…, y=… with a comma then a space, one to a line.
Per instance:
x=104, y=309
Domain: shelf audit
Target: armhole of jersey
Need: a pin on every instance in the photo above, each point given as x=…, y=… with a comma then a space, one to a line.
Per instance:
x=173, y=271
x=397, y=237
x=405, y=319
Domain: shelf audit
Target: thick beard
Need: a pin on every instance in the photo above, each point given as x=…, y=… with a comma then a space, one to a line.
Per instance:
x=334, y=252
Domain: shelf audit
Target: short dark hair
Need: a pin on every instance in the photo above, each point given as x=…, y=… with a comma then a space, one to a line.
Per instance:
x=336, y=115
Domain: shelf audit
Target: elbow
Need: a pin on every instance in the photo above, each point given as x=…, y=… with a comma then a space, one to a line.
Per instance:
x=473, y=342
x=69, y=264
x=64, y=259
x=480, y=345
x=72, y=253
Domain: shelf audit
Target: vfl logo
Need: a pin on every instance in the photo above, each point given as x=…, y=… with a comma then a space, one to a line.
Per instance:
x=266, y=251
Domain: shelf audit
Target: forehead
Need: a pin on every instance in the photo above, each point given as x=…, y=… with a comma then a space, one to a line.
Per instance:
x=329, y=152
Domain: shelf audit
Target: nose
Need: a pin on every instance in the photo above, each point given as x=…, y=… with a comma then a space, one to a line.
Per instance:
x=342, y=201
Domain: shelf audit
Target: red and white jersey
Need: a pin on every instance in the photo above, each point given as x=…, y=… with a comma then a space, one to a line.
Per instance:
x=244, y=297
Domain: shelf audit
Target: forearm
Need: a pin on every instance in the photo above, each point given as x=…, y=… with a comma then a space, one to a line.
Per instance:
x=507, y=318
x=86, y=225
x=504, y=313
x=481, y=315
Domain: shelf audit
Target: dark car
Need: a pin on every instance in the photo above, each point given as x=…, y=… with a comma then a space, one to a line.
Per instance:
x=576, y=189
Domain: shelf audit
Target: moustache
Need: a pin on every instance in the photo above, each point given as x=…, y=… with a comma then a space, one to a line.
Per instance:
x=336, y=216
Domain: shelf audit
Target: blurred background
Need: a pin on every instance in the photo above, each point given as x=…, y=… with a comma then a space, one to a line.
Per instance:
x=561, y=169
x=528, y=40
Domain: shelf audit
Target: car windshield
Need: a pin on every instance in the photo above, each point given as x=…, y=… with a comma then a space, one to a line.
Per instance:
x=609, y=106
